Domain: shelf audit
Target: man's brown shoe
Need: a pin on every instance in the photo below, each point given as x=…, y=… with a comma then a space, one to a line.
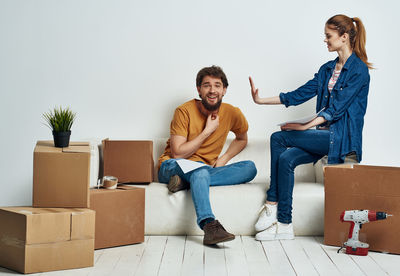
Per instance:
x=176, y=184
x=214, y=233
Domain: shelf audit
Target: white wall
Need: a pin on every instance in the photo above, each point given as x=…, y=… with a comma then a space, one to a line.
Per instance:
x=124, y=66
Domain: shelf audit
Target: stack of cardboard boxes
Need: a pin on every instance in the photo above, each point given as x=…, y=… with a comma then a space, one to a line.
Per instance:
x=68, y=220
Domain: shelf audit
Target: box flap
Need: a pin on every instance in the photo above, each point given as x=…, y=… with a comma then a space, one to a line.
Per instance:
x=46, y=146
x=79, y=143
x=83, y=224
x=126, y=187
x=77, y=149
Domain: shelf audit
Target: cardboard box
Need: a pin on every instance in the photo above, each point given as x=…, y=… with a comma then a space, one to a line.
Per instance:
x=119, y=215
x=61, y=175
x=38, y=240
x=367, y=188
x=129, y=161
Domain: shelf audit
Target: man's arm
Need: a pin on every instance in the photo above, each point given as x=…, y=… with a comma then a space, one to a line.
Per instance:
x=181, y=148
x=237, y=145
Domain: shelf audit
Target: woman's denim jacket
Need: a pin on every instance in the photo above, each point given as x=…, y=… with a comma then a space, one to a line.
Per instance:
x=345, y=106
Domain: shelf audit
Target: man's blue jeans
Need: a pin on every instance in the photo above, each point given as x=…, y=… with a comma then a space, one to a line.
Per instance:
x=202, y=178
x=288, y=150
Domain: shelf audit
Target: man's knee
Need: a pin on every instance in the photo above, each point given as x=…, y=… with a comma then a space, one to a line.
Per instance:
x=250, y=169
x=200, y=174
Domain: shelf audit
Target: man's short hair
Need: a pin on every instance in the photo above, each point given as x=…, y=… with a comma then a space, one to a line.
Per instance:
x=214, y=71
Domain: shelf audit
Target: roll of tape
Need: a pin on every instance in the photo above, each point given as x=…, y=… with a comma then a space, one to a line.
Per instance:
x=110, y=182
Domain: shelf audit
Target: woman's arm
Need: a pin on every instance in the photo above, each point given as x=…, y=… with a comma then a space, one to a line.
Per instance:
x=317, y=121
x=258, y=100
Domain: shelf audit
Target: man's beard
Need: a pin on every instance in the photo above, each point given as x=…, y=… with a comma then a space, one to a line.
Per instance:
x=210, y=107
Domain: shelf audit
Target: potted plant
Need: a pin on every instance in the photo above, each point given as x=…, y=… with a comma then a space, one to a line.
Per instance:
x=60, y=120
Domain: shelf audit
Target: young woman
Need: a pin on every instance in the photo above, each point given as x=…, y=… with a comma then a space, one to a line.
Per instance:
x=341, y=87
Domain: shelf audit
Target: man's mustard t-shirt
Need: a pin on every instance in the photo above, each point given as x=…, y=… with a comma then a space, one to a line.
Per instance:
x=189, y=122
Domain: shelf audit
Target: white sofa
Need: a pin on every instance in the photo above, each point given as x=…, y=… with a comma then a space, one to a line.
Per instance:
x=236, y=206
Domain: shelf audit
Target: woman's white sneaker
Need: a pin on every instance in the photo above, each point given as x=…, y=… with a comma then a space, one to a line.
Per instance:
x=267, y=217
x=268, y=234
x=284, y=232
x=279, y=231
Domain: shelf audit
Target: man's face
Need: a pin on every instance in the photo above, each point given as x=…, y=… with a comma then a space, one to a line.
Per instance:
x=211, y=92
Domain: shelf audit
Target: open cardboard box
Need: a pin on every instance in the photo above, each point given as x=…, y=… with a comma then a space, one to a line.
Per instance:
x=119, y=215
x=363, y=187
x=130, y=161
x=61, y=175
x=46, y=239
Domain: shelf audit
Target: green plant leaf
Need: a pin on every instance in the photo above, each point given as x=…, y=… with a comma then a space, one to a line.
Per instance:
x=59, y=119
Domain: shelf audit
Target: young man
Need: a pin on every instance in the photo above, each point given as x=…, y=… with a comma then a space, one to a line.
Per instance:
x=198, y=132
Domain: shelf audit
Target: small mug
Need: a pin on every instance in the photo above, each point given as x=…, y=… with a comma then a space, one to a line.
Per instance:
x=109, y=182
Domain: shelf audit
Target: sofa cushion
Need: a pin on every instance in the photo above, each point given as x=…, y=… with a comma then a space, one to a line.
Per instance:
x=235, y=206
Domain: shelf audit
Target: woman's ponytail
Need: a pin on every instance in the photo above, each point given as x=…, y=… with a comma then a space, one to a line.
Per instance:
x=359, y=42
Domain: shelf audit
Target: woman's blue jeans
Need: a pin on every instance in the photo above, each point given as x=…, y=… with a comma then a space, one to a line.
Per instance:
x=202, y=178
x=288, y=150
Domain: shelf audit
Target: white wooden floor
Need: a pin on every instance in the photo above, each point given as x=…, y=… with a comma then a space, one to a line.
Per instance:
x=186, y=255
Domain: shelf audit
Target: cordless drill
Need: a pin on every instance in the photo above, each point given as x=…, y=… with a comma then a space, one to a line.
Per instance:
x=357, y=218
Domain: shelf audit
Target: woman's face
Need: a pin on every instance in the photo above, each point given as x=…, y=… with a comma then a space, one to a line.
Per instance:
x=333, y=41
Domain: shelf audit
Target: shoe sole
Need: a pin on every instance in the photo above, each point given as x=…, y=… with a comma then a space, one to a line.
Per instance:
x=175, y=184
x=276, y=237
x=284, y=237
x=219, y=241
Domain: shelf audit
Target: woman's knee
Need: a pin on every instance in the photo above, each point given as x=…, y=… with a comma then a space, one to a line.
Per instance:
x=277, y=137
x=287, y=161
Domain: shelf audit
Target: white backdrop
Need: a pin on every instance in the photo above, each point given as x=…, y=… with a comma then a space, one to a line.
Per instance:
x=123, y=67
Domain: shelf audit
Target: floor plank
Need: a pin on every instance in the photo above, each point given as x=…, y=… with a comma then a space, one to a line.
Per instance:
x=235, y=257
x=368, y=265
x=277, y=258
x=256, y=259
x=298, y=258
x=342, y=261
x=193, y=256
x=214, y=260
x=172, y=259
x=129, y=260
x=151, y=259
x=322, y=263
x=106, y=262
x=389, y=263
